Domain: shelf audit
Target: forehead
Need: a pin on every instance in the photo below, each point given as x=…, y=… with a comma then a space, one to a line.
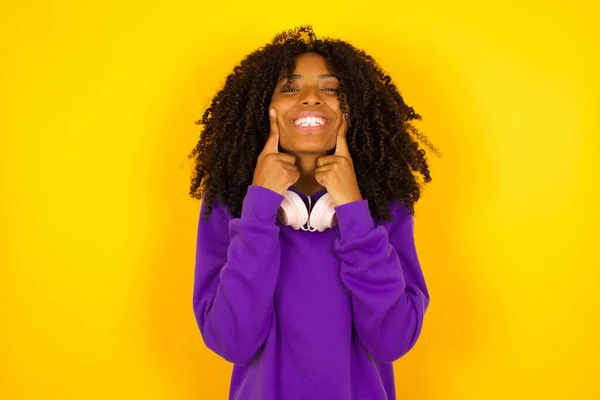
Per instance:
x=311, y=62
x=310, y=66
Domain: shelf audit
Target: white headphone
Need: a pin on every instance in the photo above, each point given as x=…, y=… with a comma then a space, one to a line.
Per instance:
x=292, y=212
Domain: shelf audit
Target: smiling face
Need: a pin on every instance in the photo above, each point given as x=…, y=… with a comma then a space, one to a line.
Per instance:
x=308, y=110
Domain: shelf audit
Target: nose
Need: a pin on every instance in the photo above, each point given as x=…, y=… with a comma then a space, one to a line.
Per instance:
x=311, y=96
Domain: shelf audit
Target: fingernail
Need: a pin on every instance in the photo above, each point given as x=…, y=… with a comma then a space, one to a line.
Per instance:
x=272, y=112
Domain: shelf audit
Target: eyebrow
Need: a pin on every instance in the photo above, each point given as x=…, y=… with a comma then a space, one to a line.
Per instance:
x=294, y=76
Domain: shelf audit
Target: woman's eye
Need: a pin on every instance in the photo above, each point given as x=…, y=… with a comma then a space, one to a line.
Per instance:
x=285, y=90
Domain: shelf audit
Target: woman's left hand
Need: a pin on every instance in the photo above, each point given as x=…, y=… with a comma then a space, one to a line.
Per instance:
x=336, y=172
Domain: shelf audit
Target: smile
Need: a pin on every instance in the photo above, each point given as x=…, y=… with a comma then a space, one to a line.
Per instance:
x=310, y=121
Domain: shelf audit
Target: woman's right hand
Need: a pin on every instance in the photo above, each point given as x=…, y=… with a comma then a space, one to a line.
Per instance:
x=274, y=170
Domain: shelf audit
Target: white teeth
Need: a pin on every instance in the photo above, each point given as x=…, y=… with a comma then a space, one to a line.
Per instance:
x=310, y=121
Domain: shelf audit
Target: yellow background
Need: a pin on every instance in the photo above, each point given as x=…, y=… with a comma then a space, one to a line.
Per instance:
x=98, y=103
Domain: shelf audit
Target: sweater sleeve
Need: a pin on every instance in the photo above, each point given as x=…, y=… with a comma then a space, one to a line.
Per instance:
x=382, y=272
x=236, y=271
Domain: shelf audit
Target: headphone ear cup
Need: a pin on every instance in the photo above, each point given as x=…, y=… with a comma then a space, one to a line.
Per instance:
x=322, y=216
x=292, y=211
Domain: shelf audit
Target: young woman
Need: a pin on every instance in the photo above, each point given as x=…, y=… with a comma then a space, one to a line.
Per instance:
x=306, y=275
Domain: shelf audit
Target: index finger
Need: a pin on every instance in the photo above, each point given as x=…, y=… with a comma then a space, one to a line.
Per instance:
x=272, y=144
x=341, y=146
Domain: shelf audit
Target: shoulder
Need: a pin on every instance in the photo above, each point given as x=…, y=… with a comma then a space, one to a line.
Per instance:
x=219, y=212
x=213, y=227
x=401, y=217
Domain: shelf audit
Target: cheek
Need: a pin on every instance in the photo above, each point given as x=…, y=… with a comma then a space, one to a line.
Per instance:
x=275, y=102
x=334, y=105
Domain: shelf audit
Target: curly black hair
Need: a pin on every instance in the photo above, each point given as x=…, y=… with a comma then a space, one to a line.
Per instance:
x=236, y=125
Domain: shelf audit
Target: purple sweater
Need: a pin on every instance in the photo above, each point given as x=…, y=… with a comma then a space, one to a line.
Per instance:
x=308, y=315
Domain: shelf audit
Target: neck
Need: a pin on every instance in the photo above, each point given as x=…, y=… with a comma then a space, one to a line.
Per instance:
x=307, y=183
